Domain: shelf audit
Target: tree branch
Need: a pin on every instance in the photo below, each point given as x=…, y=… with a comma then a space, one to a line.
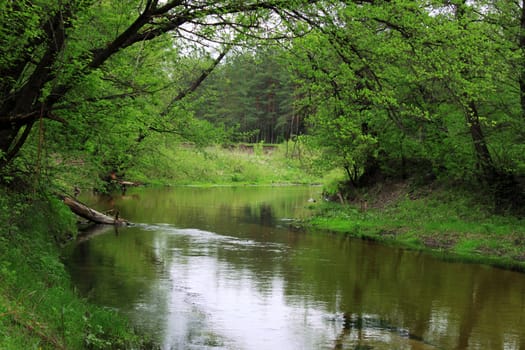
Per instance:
x=204, y=74
x=13, y=151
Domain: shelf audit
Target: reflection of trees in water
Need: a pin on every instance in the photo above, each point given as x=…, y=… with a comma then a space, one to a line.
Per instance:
x=101, y=252
x=262, y=214
x=358, y=327
x=95, y=230
x=453, y=305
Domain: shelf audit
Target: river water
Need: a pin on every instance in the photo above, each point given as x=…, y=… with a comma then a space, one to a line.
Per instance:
x=224, y=268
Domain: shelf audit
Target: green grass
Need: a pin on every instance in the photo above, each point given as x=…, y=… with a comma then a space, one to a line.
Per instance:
x=38, y=307
x=218, y=166
x=450, y=223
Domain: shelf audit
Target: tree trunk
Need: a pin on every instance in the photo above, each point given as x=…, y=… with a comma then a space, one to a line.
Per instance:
x=484, y=159
x=91, y=214
x=521, y=44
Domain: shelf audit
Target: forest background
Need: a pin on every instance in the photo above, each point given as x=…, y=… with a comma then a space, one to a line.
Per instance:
x=352, y=93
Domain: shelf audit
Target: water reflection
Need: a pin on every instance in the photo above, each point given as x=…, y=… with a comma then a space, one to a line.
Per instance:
x=216, y=268
x=262, y=215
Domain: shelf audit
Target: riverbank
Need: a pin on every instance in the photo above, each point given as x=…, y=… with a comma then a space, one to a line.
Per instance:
x=190, y=165
x=450, y=222
x=39, y=308
x=215, y=165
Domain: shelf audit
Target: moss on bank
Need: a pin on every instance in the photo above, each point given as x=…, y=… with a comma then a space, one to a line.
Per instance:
x=449, y=222
x=38, y=306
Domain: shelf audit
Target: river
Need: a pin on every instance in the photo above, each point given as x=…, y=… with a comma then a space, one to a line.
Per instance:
x=225, y=268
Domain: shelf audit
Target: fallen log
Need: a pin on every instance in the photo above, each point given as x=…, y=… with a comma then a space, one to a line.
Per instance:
x=91, y=214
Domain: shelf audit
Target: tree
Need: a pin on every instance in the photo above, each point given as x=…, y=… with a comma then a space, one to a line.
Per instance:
x=59, y=51
x=430, y=82
x=250, y=92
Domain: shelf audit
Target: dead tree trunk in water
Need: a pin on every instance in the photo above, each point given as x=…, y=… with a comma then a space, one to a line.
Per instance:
x=91, y=214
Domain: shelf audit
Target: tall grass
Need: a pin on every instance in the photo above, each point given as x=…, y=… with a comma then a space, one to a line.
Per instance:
x=218, y=165
x=38, y=307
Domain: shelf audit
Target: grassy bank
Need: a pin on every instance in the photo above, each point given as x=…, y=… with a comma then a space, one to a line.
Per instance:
x=452, y=223
x=180, y=164
x=39, y=308
x=239, y=164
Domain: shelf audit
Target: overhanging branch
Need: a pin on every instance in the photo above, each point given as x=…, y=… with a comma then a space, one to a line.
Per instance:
x=197, y=82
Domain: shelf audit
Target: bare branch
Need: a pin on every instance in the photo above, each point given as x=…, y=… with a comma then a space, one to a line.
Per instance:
x=54, y=117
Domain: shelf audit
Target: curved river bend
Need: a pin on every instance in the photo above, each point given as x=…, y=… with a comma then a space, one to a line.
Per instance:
x=221, y=268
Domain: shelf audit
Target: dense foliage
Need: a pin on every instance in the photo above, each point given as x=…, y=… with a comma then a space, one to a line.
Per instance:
x=418, y=87
x=381, y=88
x=395, y=89
x=91, y=80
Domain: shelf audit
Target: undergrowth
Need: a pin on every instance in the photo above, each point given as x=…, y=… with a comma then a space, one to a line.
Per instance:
x=38, y=307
